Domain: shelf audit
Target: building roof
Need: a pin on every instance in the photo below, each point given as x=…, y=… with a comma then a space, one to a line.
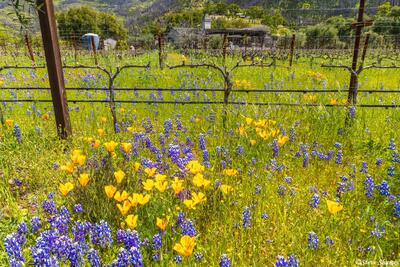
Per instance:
x=254, y=31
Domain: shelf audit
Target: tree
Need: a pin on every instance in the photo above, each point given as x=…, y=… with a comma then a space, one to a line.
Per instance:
x=76, y=21
x=384, y=9
x=322, y=36
x=255, y=12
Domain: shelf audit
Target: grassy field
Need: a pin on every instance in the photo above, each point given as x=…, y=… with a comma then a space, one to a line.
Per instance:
x=319, y=186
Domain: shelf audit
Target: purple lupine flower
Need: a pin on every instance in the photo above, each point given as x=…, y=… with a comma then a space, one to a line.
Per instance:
x=224, y=261
x=369, y=186
x=313, y=241
x=315, y=200
x=384, y=189
x=246, y=218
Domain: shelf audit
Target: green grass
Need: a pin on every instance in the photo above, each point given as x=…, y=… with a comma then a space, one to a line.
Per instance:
x=285, y=232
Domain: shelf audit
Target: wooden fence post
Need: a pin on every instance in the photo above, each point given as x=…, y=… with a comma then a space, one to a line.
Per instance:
x=54, y=66
x=359, y=25
x=94, y=48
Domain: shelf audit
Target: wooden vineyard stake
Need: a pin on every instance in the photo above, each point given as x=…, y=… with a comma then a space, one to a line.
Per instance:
x=94, y=48
x=292, y=45
x=359, y=25
x=48, y=29
x=29, y=46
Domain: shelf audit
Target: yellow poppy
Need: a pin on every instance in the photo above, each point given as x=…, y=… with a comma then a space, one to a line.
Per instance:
x=110, y=190
x=148, y=184
x=110, y=146
x=150, y=172
x=226, y=189
x=162, y=223
x=195, y=167
x=126, y=147
x=103, y=119
x=190, y=204
x=185, y=246
x=230, y=172
x=83, y=179
x=9, y=122
x=283, y=140
x=66, y=188
x=249, y=121
x=69, y=168
x=160, y=177
x=121, y=196
x=119, y=176
x=96, y=144
x=46, y=117
x=130, y=129
x=136, y=166
x=139, y=199
x=253, y=142
x=242, y=130
x=177, y=185
x=100, y=131
x=161, y=186
x=198, y=197
x=125, y=207
x=131, y=221
x=333, y=206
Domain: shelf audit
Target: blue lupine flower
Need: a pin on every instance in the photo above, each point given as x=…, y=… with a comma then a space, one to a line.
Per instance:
x=378, y=231
x=352, y=112
x=136, y=257
x=397, y=209
x=305, y=160
x=35, y=224
x=391, y=171
x=369, y=186
x=378, y=162
x=198, y=256
x=328, y=241
x=49, y=206
x=275, y=148
x=364, y=167
x=94, y=259
x=187, y=228
x=392, y=145
x=122, y=259
x=258, y=189
x=288, y=179
x=202, y=141
x=157, y=241
x=246, y=218
x=339, y=157
x=384, y=189
x=224, y=261
x=240, y=150
x=264, y=216
x=22, y=228
x=13, y=246
x=315, y=200
x=290, y=262
x=78, y=208
x=281, y=190
x=156, y=256
x=101, y=234
x=292, y=135
x=313, y=241
x=17, y=133
x=178, y=259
